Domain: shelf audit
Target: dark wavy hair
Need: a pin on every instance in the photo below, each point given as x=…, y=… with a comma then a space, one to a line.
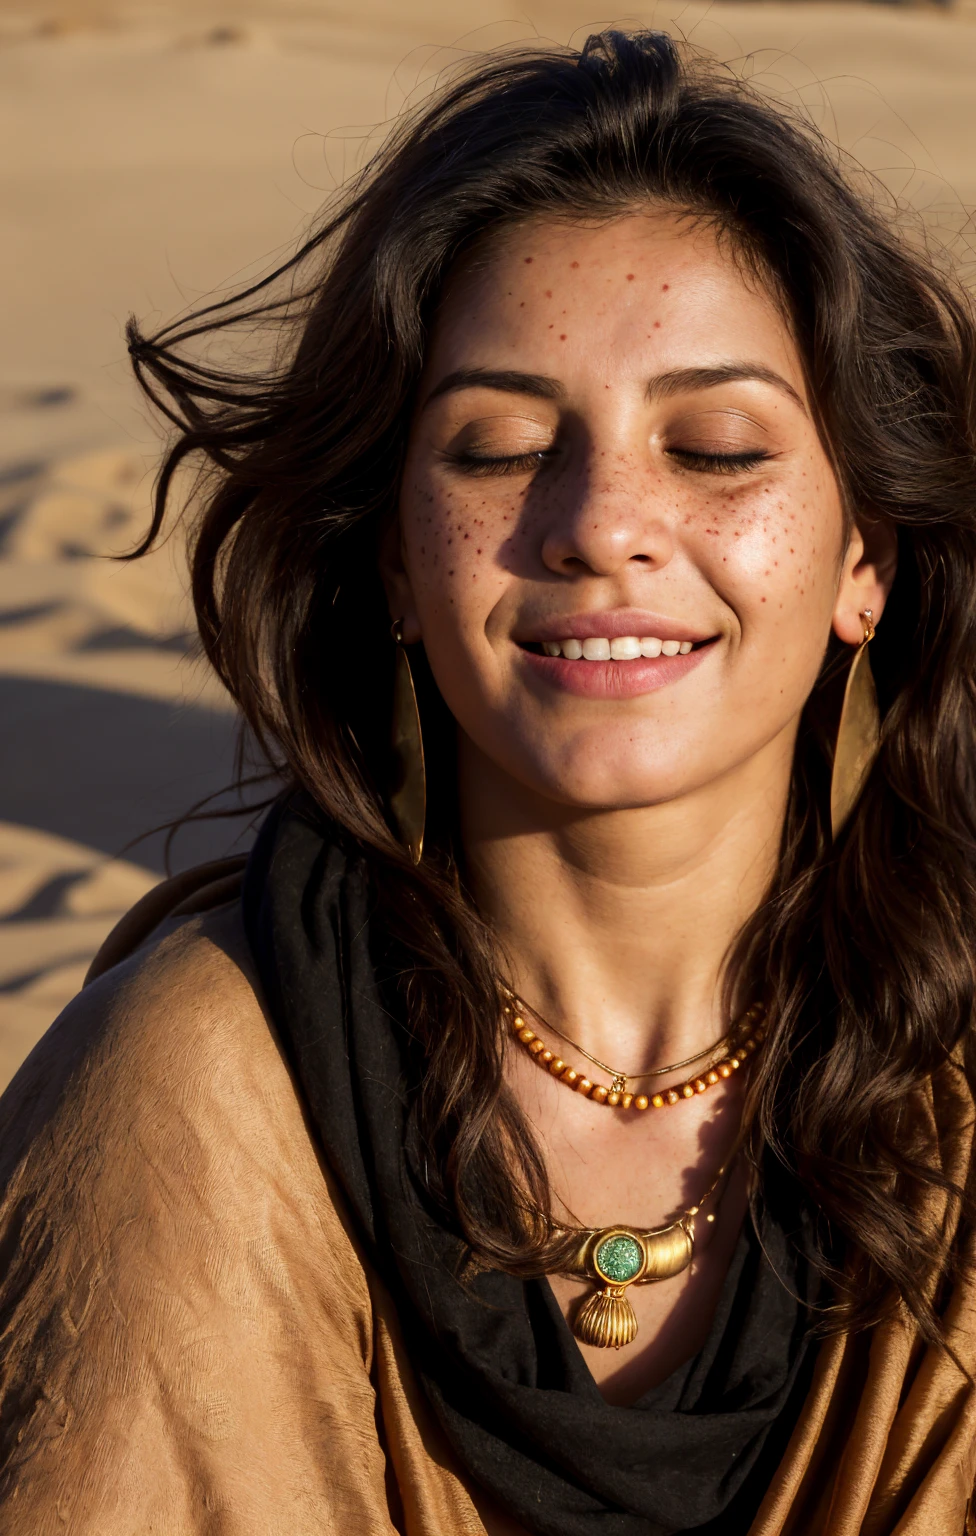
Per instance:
x=863, y=950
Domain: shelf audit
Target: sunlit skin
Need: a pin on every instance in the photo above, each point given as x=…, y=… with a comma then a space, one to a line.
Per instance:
x=643, y=459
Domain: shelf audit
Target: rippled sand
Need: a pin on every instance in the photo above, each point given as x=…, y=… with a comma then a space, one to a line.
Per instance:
x=153, y=153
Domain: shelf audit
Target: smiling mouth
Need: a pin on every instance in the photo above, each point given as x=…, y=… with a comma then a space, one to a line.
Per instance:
x=621, y=648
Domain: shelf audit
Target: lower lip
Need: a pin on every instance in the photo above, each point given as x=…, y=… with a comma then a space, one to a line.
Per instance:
x=613, y=679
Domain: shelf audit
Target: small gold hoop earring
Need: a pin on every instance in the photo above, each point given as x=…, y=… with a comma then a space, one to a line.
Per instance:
x=408, y=799
x=858, y=733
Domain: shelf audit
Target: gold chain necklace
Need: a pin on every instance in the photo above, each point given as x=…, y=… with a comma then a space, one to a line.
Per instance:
x=746, y=1035
x=616, y=1257
x=621, y=1077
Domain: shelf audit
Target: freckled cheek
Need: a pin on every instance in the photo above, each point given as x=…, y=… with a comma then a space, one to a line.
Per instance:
x=451, y=541
x=768, y=551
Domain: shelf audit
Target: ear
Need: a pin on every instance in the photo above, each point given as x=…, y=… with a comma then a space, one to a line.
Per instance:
x=867, y=574
x=396, y=581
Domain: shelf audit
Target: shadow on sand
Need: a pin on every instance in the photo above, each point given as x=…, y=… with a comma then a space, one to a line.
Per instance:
x=104, y=768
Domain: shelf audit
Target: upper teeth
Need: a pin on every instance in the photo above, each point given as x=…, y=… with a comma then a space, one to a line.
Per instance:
x=626, y=648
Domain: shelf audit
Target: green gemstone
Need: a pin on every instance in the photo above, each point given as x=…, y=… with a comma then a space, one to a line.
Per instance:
x=620, y=1258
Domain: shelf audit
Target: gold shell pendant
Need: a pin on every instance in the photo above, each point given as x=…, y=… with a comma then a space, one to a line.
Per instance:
x=606, y=1320
x=619, y=1257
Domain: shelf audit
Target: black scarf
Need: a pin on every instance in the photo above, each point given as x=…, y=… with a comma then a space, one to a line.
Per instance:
x=495, y=1356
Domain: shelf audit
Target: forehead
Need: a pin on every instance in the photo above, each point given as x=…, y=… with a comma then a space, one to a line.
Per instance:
x=651, y=288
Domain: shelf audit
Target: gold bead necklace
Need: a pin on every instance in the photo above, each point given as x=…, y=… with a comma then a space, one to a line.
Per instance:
x=732, y=1050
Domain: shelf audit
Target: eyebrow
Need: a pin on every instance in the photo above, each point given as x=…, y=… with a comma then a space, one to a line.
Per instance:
x=680, y=379
x=540, y=386
x=509, y=380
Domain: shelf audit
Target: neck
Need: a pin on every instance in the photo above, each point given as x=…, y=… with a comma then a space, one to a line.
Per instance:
x=616, y=925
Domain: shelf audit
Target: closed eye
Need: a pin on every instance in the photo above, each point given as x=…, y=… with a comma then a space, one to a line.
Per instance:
x=719, y=463
x=503, y=464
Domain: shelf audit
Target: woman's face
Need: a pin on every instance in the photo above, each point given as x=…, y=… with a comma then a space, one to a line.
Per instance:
x=621, y=539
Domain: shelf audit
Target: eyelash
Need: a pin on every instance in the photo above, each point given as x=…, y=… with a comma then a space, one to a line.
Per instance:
x=515, y=464
x=520, y=463
x=719, y=463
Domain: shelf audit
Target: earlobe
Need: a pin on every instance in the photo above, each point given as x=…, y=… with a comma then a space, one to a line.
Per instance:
x=867, y=576
x=396, y=581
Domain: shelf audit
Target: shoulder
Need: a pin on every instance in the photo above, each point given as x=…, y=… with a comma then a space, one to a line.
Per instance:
x=173, y=1243
x=170, y=1029
x=163, y=1087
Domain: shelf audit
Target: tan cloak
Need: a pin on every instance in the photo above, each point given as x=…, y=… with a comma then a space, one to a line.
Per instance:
x=192, y=1341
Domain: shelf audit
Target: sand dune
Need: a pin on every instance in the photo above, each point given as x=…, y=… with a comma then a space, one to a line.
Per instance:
x=154, y=153
x=58, y=900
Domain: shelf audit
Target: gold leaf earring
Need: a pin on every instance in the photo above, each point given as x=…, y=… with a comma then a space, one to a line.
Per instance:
x=858, y=734
x=408, y=800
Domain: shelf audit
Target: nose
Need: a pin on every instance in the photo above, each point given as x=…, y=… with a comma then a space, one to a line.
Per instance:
x=615, y=514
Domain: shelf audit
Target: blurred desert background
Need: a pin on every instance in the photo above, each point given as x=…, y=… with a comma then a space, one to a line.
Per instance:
x=155, y=154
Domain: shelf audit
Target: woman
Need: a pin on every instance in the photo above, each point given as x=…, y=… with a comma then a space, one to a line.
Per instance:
x=617, y=424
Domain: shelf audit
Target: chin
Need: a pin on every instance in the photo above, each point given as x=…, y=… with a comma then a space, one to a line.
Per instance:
x=612, y=783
